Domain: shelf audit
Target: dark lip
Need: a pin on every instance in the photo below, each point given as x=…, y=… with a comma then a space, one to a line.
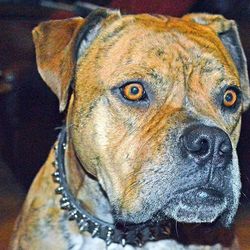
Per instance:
x=214, y=196
x=202, y=196
x=211, y=189
x=211, y=192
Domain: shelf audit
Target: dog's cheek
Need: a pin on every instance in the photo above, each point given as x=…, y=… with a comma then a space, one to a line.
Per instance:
x=147, y=168
x=81, y=131
x=234, y=195
x=101, y=143
x=235, y=134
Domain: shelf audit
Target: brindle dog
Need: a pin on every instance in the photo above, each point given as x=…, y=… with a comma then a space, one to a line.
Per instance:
x=153, y=118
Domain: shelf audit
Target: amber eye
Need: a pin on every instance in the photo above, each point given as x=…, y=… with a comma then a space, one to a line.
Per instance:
x=133, y=91
x=230, y=98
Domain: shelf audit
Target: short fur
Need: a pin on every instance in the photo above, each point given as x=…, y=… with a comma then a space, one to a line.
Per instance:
x=124, y=159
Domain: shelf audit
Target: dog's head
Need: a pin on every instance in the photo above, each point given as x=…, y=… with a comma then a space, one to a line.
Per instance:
x=155, y=109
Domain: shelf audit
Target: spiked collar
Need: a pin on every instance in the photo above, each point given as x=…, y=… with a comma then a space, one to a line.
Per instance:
x=132, y=234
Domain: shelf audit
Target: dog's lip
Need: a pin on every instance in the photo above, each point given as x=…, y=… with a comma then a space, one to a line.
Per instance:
x=203, y=189
x=203, y=196
x=205, y=192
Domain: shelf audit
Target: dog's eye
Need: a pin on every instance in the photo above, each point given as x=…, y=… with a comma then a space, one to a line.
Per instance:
x=230, y=98
x=133, y=91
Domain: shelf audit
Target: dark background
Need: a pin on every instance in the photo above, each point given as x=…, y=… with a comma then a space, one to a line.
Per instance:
x=29, y=111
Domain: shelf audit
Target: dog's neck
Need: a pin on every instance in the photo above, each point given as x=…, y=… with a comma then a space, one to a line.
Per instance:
x=85, y=187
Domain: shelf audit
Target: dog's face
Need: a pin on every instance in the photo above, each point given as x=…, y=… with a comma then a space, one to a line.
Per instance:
x=155, y=112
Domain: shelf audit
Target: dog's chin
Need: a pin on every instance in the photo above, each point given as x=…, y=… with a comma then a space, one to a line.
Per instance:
x=193, y=206
x=197, y=206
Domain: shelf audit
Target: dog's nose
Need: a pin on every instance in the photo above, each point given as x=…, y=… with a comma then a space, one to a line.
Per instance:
x=203, y=144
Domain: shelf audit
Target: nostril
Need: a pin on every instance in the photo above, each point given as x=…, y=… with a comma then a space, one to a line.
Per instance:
x=196, y=145
x=204, y=146
x=225, y=148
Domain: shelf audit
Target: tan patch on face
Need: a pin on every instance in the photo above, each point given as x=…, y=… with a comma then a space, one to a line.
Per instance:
x=182, y=63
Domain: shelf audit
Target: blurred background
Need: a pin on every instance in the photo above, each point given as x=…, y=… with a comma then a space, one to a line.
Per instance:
x=29, y=111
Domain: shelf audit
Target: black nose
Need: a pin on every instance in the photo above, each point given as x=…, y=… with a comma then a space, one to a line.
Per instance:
x=203, y=144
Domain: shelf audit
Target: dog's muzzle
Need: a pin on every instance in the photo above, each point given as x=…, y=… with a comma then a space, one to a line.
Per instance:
x=203, y=191
x=203, y=144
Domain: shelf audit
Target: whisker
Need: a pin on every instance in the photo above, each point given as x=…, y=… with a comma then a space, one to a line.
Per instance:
x=244, y=195
x=176, y=229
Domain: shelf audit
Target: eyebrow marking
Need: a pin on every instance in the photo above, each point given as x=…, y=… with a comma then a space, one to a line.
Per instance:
x=156, y=76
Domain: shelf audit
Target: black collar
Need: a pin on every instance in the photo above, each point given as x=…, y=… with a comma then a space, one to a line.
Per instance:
x=133, y=234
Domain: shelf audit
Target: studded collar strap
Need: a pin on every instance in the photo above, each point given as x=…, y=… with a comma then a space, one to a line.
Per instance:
x=132, y=234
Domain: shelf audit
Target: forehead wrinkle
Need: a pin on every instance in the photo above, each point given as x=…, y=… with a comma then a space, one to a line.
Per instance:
x=215, y=52
x=127, y=49
x=154, y=127
x=206, y=38
x=155, y=68
x=135, y=25
x=200, y=103
x=194, y=63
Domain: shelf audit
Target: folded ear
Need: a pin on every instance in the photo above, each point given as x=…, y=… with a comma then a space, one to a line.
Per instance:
x=58, y=45
x=229, y=35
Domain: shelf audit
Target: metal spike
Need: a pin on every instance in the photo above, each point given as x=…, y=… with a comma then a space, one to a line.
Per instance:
x=83, y=225
x=59, y=190
x=64, y=146
x=151, y=237
x=166, y=230
x=56, y=177
x=64, y=199
x=65, y=204
x=72, y=215
x=123, y=242
x=139, y=240
x=96, y=229
x=152, y=234
x=56, y=173
x=108, y=242
x=56, y=164
x=108, y=237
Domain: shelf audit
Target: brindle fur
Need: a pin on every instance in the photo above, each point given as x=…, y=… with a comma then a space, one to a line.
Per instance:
x=125, y=150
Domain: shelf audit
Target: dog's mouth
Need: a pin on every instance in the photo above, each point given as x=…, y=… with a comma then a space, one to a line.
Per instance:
x=203, y=196
x=197, y=205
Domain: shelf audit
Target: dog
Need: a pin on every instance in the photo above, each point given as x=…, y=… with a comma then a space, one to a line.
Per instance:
x=153, y=110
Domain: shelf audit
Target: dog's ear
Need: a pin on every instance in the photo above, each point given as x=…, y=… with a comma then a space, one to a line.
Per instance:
x=59, y=43
x=229, y=35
